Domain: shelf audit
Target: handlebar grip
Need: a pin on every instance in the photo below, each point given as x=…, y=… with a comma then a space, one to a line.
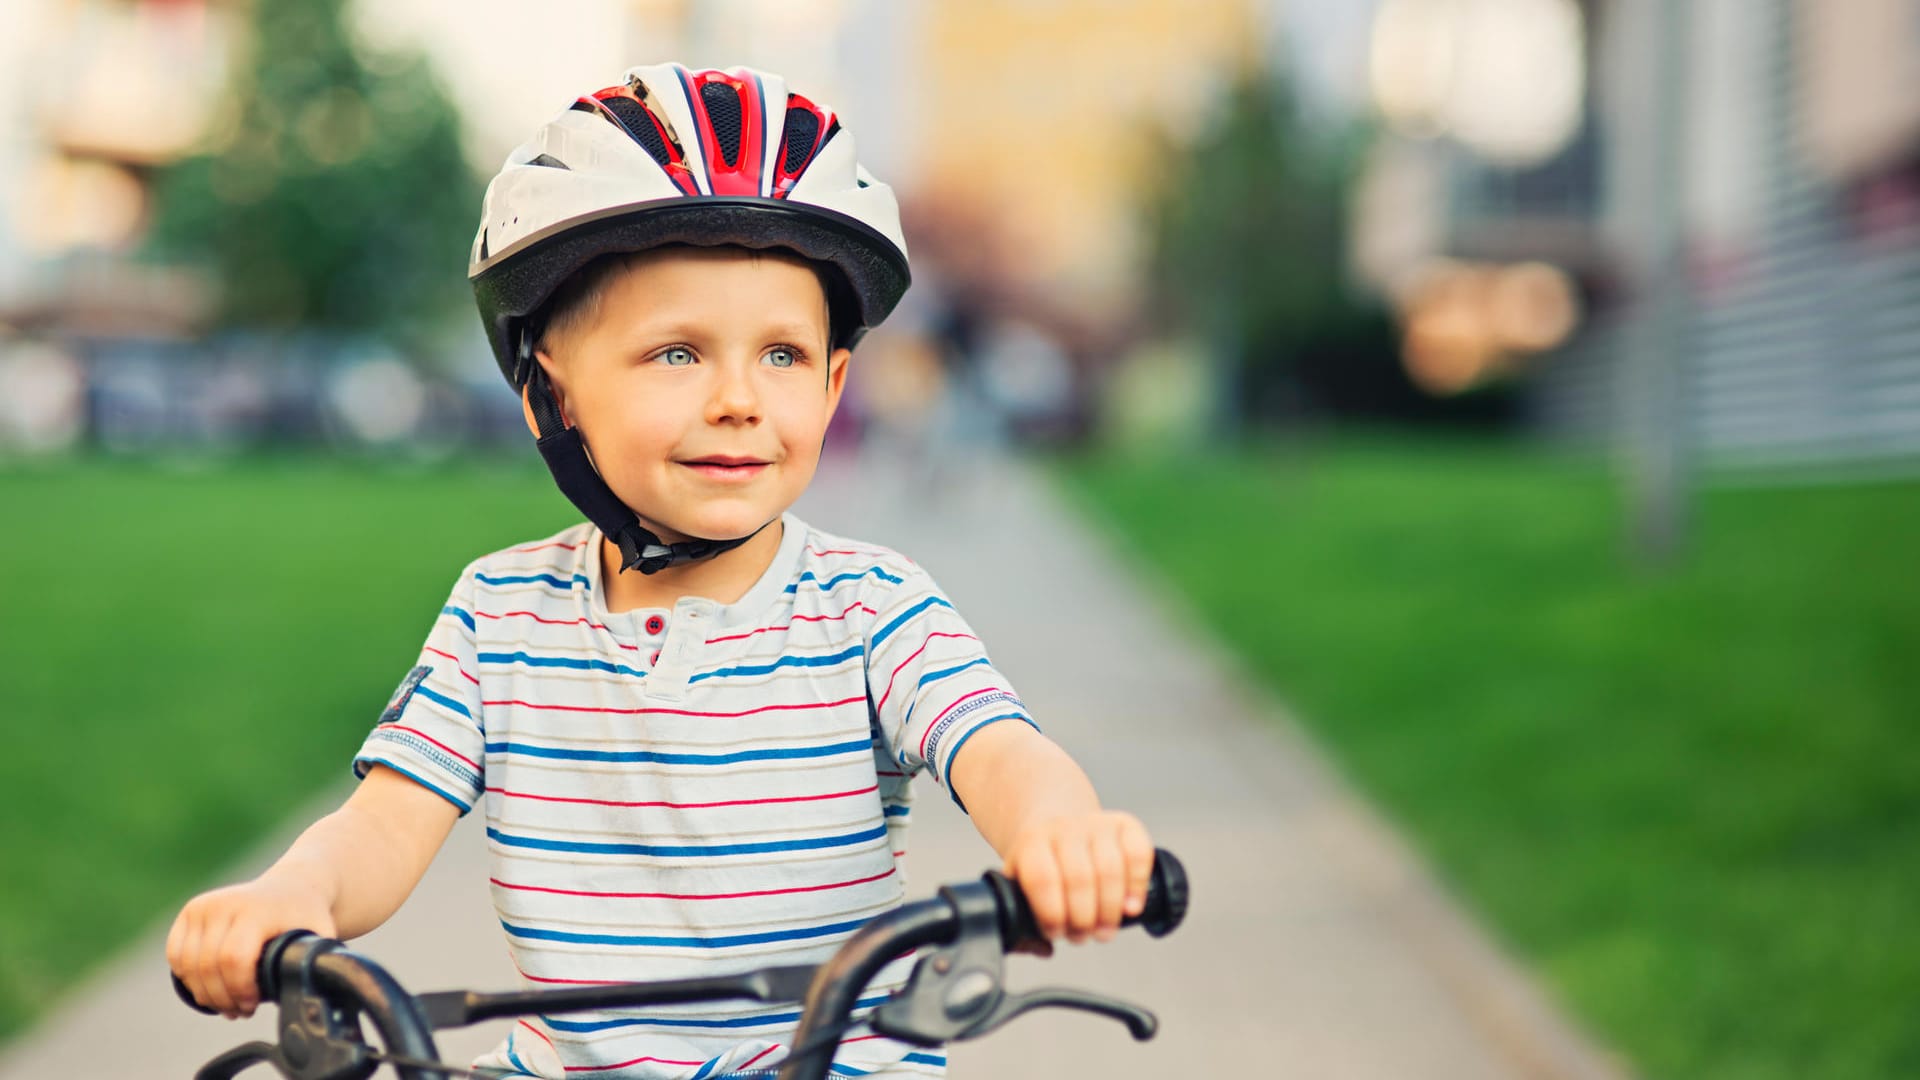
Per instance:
x=269, y=952
x=180, y=991
x=1165, y=908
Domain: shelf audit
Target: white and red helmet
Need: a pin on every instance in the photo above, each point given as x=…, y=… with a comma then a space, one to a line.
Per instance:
x=676, y=156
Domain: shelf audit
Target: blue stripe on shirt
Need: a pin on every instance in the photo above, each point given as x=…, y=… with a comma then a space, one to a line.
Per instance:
x=932, y=677
x=659, y=757
x=758, y=847
x=662, y=941
x=731, y=1022
x=827, y=585
x=574, y=662
x=459, y=613
x=886, y=631
x=443, y=700
x=527, y=579
x=783, y=662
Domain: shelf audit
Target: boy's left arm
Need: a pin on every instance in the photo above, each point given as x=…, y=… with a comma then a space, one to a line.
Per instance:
x=1080, y=866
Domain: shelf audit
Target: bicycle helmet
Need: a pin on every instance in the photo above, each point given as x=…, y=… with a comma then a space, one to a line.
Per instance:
x=673, y=156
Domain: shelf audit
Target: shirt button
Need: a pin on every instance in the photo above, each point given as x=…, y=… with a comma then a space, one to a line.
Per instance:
x=656, y=658
x=655, y=624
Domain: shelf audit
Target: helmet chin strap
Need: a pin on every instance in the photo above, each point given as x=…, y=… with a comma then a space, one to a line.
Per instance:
x=565, y=453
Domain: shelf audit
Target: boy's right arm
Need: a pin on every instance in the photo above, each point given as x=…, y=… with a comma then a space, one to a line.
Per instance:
x=344, y=876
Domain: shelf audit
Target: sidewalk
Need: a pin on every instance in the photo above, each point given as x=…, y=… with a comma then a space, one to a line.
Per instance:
x=1316, y=946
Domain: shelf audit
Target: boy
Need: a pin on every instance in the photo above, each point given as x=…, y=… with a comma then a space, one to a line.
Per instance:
x=701, y=766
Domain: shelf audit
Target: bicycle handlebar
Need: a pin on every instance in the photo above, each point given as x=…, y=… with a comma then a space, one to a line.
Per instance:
x=322, y=988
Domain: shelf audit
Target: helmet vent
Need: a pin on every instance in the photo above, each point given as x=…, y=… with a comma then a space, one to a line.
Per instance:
x=549, y=161
x=723, y=109
x=802, y=127
x=634, y=117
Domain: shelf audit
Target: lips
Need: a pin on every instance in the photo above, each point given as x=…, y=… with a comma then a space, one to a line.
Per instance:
x=725, y=460
x=727, y=468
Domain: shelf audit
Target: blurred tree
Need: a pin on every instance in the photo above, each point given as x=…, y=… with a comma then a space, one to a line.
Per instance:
x=1248, y=250
x=334, y=194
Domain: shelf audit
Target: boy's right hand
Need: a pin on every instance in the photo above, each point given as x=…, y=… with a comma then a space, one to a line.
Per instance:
x=215, y=943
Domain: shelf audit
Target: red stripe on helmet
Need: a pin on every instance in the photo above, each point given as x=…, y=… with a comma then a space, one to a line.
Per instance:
x=676, y=164
x=790, y=166
x=743, y=176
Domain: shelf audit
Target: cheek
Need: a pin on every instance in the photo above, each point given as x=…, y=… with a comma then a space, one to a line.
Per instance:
x=803, y=420
x=628, y=431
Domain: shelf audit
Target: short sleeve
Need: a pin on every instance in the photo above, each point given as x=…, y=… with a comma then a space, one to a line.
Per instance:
x=929, y=678
x=431, y=730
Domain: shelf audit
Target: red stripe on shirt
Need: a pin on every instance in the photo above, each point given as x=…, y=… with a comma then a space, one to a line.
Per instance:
x=456, y=664
x=675, y=712
x=552, y=544
x=434, y=741
x=688, y=896
x=685, y=805
x=749, y=1062
x=588, y=623
x=797, y=618
x=943, y=715
x=624, y=1064
x=911, y=659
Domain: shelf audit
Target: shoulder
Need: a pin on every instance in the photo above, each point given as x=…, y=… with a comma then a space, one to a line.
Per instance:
x=558, y=558
x=882, y=585
x=828, y=558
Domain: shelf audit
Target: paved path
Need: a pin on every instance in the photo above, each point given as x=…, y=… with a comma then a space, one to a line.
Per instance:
x=1316, y=946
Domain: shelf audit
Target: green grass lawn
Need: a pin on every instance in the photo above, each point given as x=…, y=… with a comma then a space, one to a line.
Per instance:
x=1691, y=798
x=186, y=655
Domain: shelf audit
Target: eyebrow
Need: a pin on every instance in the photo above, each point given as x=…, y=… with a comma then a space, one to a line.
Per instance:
x=661, y=333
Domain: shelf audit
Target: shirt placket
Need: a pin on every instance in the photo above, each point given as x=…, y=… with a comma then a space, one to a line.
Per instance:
x=681, y=649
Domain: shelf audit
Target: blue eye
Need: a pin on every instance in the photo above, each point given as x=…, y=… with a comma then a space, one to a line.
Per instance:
x=781, y=357
x=676, y=357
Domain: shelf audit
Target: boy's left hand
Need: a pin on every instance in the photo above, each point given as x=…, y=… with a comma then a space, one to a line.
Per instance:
x=1083, y=872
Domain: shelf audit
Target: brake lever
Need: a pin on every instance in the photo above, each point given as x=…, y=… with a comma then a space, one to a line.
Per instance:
x=1141, y=1024
x=958, y=991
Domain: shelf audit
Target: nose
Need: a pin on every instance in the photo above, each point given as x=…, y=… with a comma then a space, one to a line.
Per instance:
x=736, y=397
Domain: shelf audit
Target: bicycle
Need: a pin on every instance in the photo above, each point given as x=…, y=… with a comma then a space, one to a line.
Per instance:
x=955, y=992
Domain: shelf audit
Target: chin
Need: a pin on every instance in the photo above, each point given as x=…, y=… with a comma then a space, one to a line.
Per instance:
x=731, y=524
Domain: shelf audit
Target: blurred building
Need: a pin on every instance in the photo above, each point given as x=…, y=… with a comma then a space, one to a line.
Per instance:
x=1020, y=133
x=93, y=95
x=1049, y=116
x=1717, y=215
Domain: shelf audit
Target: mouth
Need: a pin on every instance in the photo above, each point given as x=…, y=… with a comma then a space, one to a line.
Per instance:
x=727, y=467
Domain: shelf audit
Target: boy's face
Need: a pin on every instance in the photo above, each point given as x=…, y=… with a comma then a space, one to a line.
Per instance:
x=703, y=385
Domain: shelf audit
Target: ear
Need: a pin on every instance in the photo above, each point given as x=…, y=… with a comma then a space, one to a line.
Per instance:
x=836, y=378
x=559, y=394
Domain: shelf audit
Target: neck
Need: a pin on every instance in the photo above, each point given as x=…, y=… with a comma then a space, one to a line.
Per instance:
x=724, y=578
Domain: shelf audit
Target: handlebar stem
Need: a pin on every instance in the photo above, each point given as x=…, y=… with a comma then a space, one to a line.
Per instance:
x=838, y=983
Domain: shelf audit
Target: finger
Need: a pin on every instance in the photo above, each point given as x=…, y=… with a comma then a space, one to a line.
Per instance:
x=214, y=967
x=238, y=954
x=1110, y=877
x=1137, y=846
x=1039, y=877
x=176, y=937
x=211, y=987
x=188, y=964
x=1077, y=881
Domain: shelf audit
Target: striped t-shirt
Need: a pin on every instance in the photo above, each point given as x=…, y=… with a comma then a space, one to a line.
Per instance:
x=693, y=791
